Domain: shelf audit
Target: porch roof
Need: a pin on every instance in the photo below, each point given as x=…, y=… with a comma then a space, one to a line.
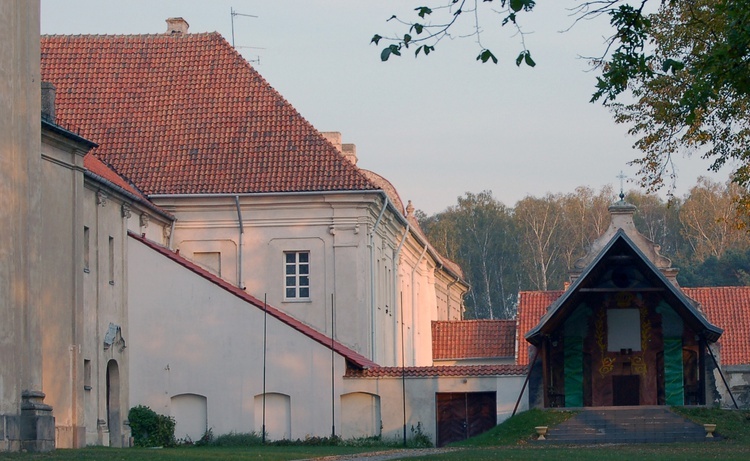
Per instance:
x=621, y=250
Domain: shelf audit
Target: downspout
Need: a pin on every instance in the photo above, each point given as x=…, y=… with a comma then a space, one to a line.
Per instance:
x=413, y=303
x=396, y=256
x=372, y=279
x=242, y=231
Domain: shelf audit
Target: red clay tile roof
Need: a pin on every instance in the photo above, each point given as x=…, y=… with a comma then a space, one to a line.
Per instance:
x=532, y=305
x=99, y=171
x=351, y=356
x=473, y=339
x=96, y=166
x=429, y=372
x=728, y=308
x=725, y=307
x=186, y=114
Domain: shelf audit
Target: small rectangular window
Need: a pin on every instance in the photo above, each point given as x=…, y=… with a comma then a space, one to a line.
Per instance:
x=624, y=327
x=111, y=261
x=297, y=275
x=86, y=249
x=209, y=260
x=87, y=374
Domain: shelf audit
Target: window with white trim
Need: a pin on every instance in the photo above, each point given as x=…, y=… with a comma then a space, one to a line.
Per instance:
x=296, y=275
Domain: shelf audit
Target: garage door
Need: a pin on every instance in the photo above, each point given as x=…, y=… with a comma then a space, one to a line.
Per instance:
x=464, y=415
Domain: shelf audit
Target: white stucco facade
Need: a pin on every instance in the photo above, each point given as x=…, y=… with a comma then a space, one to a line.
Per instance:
x=369, y=273
x=84, y=300
x=191, y=337
x=420, y=394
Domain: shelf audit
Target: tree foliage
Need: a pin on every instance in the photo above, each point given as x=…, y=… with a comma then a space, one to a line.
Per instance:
x=683, y=65
x=533, y=245
x=694, y=96
x=479, y=232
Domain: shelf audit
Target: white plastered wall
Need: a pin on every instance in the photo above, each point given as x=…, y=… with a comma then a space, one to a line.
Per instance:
x=190, y=336
x=420, y=399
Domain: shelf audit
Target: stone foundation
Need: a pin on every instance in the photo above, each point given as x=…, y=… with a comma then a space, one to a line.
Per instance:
x=37, y=425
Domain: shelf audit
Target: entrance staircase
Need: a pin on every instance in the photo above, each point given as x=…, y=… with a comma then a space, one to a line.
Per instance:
x=626, y=425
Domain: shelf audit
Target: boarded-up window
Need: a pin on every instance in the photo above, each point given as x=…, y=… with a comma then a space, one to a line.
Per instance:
x=624, y=327
x=209, y=260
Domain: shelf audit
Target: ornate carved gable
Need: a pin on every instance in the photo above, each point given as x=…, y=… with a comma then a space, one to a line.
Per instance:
x=621, y=217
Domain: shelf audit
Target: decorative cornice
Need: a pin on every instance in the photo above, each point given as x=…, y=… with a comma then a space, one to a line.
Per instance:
x=101, y=198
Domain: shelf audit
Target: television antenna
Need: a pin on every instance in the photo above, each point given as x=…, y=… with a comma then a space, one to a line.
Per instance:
x=233, y=13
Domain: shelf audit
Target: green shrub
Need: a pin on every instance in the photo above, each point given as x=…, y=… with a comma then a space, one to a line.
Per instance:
x=236, y=439
x=418, y=438
x=150, y=429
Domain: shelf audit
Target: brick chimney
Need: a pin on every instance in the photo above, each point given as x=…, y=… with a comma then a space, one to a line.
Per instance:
x=177, y=26
x=349, y=151
x=48, y=101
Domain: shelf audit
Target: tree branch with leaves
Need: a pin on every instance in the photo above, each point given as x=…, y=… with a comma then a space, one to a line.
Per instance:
x=684, y=66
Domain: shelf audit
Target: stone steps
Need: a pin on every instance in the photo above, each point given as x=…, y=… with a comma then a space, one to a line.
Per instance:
x=626, y=425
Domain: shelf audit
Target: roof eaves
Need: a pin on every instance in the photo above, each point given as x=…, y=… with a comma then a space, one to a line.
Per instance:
x=55, y=128
x=163, y=213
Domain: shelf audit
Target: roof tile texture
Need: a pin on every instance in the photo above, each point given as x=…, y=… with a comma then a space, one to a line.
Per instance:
x=473, y=339
x=725, y=307
x=186, y=114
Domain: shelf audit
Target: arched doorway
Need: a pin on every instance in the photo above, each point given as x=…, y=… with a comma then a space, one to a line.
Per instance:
x=114, y=419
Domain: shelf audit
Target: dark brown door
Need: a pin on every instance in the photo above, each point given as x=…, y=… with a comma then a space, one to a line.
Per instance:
x=463, y=415
x=626, y=390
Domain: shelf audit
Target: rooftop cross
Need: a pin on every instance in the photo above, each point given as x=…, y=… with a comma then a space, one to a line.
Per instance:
x=622, y=178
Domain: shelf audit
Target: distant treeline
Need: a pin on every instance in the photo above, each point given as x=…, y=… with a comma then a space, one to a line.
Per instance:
x=530, y=246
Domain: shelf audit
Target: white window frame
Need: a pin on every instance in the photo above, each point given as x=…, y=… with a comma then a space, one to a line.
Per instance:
x=296, y=276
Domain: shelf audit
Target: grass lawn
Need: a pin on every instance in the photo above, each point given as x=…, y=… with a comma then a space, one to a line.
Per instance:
x=255, y=453
x=512, y=440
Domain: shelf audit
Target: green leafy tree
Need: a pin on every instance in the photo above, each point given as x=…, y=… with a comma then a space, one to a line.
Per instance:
x=684, y=66
x=540, y=222
x=732, y=269
x=585, y=217
x=694, y=94
x=709, y=220
x=478, y=233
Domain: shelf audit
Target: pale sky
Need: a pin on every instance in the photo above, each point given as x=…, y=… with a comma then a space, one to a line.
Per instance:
x=436, y=127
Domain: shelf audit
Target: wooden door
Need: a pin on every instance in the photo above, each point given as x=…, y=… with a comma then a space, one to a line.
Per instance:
x=463, y=415
x=626, y=390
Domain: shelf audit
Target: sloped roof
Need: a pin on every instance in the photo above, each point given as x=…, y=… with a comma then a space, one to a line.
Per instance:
x=186, y=114
x=101, y=173
x=532, y=305
x=473, y=339
x=621, y=248
x=438, y=371
x=728, y=308
x=725, y=307
x=351, y=356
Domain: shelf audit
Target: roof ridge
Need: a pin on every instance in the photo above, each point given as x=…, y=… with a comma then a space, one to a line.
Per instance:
x=163, y=34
